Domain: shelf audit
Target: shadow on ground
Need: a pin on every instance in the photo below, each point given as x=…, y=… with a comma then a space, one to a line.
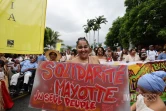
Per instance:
x=22, y=104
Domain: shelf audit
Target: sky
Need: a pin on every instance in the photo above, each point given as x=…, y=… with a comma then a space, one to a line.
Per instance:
x=68, y=17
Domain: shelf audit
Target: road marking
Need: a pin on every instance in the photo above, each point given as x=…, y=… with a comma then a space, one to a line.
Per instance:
x=20, y=96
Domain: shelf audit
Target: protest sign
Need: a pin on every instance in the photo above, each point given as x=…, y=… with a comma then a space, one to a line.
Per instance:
x=80, y=87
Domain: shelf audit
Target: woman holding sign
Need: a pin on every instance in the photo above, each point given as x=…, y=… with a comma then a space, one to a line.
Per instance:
x=83, y=50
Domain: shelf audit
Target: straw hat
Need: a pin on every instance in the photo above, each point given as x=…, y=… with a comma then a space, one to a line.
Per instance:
x=54, y=51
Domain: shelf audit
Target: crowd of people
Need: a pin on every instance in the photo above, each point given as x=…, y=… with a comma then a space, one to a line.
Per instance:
x=16, y=66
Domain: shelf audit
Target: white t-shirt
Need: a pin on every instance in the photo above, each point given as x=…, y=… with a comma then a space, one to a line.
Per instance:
x=132, y=59
x=151, y=55
x=68, y=57
x=119, y=53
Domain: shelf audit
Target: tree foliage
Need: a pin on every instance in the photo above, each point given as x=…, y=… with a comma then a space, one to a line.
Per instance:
x=51, y=37
x=95, y=25
x=69, y=47
x=143, y=23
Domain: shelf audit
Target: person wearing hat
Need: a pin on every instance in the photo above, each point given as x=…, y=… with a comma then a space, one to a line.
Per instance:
x=150, y=86
x=53, y=55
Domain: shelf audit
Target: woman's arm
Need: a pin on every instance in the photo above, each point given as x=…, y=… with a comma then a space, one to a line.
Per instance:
x=19, y=69
x=133, y=107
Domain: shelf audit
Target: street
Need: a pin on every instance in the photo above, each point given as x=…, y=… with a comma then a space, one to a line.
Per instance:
x=21, y=104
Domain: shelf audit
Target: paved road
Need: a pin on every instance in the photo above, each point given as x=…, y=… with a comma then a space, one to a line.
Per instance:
x=21, y=104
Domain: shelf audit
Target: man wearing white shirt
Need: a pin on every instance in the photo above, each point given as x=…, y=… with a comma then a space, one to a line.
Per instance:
x=151, y=53
x=68, y=54
x=119, y=52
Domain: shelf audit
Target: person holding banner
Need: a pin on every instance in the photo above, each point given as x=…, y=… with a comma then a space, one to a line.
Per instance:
x=132, y=57
x=53, y=55
x=151, y=86
x=83, y=50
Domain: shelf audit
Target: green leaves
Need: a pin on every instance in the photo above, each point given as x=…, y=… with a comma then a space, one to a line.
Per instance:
x=51, y=37
x=143, y=23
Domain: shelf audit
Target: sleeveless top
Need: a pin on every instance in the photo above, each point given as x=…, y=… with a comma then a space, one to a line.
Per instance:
x=140, y=105
x=15, y=68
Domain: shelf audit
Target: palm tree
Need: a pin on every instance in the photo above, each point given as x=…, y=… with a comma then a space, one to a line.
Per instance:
x=86, y=30
x=69, y=47
x=100, y=20
x=89, y=26
x=95, y=28
x=51, y=37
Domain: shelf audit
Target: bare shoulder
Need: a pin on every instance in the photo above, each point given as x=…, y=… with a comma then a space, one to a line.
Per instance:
x=95, y=59
x=158, y=107
x=74, y=60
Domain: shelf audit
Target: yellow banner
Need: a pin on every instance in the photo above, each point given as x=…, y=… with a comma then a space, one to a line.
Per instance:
x=22, y=24
x=58, y=46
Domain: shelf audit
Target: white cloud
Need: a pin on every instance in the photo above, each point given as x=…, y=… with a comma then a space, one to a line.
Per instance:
x=68, y=16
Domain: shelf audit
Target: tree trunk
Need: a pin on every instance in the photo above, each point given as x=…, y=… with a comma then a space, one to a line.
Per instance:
x=86, y=36
x=89, y=38
x=98, y=37
x=94, y=40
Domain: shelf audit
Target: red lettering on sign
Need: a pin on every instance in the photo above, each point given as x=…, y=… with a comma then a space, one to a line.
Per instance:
x=97, y=72
x=80, y=72
x=66, y=91
x=59, y=70
x=74, y=90
x=82, y=93
x=118, y=79
x=100, y=92
x=46, y=70
x=89, y=75
x=59, y=86
x=46, y=97
x=66, y=72
x=110, y=75
x=91, y=89
x=79, y=104
x=108, y=97
x=73, y=71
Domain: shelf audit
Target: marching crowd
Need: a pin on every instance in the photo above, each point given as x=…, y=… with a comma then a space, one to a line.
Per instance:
x=12, y=67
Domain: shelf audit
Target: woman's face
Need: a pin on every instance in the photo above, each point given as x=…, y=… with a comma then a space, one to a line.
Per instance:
x=17, y=62
x=53, y=56
x=83, y=49
x=133, y=51
x=100, y=52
